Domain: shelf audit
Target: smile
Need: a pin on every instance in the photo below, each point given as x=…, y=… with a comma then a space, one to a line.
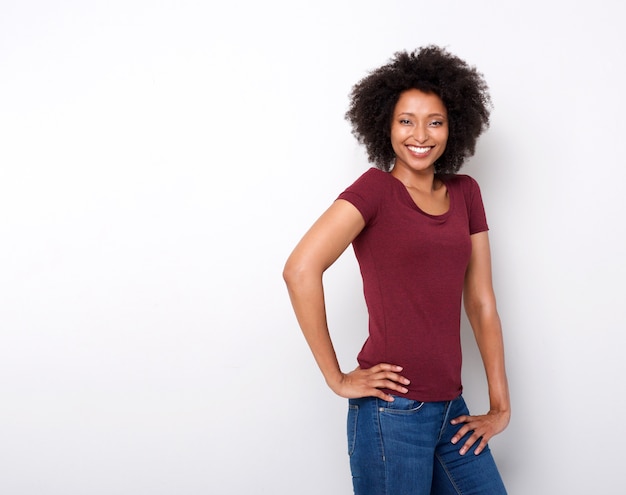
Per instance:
x=419, y=149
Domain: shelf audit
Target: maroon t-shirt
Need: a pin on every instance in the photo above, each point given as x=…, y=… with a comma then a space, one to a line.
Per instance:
x=413, y=267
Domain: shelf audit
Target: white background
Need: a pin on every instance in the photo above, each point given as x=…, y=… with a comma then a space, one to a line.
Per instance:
x=159, y=161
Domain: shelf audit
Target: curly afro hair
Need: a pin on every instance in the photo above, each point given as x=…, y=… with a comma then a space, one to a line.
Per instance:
x=430, y=69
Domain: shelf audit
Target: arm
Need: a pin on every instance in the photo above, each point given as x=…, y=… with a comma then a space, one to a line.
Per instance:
x=480, y=306
x=331, y=234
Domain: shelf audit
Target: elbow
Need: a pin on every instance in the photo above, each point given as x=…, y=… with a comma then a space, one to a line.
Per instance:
x=480, y=307
x=293, y=272
x=290, y=273
x=297, y=272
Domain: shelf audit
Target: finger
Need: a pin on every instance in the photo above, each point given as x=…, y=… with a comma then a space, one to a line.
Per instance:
x=460, y=419
x=389, y=385
x=381, y=382
x=388, y=370
x=460, y=434
x=369, y=386
x=467, y=424
x=378, y=377
x=386, y=367
x=481, y=446
x=394, y=377
x=468, y=444
x=380, y=395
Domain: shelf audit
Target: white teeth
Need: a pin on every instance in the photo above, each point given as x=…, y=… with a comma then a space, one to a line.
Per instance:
x=416, y=149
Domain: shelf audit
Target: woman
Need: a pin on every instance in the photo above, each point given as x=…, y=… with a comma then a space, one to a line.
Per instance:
x=419, y=233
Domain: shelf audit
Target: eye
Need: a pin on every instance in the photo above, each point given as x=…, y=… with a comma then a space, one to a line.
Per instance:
x=405, y=122
x=436, y=123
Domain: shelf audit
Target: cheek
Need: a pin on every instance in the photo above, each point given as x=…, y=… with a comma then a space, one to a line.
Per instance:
x=399, y=134
x=444, y=137
x=397, y=142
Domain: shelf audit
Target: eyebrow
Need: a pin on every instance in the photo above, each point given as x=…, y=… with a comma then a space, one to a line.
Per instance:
x=436, y=114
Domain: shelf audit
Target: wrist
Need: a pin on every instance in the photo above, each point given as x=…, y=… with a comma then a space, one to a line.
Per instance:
x=500, y=411
x=334, y=379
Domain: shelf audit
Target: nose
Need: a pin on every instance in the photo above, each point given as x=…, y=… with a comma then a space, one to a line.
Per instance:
x=420, y=133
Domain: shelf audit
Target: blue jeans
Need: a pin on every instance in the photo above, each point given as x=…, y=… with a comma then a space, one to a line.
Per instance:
x=403, y=448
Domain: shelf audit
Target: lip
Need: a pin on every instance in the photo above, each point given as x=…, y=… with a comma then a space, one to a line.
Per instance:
x=420, y=155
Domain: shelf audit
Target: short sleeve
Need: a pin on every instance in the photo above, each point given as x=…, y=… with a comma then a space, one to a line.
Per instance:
x=476, y=208
x=366, y=193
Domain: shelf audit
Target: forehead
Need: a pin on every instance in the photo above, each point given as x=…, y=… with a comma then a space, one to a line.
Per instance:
x=416, y=102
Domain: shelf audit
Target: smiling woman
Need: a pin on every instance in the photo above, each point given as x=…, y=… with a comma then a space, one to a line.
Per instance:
x=419, y=133
x=419, y=233
x=419, y=130
x=460, y=87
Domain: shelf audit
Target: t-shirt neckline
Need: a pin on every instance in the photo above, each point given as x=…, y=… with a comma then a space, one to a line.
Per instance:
x=414, y=205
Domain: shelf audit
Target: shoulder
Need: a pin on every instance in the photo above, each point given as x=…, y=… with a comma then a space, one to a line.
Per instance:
x=371, y=182
x=460, y=180
x=368, y=192
x=373, y=176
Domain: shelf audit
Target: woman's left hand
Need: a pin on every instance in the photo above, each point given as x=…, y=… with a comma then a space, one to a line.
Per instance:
x=483, y=428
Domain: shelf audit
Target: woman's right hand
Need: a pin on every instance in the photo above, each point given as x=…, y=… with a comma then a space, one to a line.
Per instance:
x=369, y=382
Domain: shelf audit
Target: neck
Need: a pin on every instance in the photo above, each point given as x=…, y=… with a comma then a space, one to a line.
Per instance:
x=422, y=180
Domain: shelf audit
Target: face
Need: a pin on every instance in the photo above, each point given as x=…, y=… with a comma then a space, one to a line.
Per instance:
x=419, y=131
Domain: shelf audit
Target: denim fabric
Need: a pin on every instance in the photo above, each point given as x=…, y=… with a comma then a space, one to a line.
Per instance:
x=403, y=448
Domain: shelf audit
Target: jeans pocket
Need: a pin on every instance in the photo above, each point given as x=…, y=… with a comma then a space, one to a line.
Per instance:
x=402, y=405
x=353, y=414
